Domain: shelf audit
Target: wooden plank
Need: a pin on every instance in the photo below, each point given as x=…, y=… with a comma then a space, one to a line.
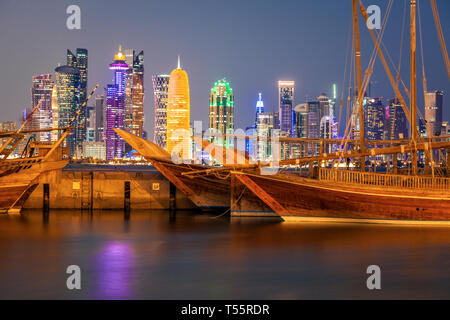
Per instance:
x=261, y=193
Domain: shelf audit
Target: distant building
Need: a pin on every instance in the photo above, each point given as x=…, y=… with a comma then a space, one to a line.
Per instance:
x=6, y=126
x=178, y=113
x=80, y=62
x=99, y=118
x=67, y=82
x=90, y=123
x=94, y=149
x=221, y=112
x=301, y=120
x=115, y=108
x=324, y=106
x=396, y=124
x=286, y=106
x=433, y=111
x=160, y=93
x=42, y=118
x=134, y=97
x=265, y=128
x=445, y=128
x=374, y=113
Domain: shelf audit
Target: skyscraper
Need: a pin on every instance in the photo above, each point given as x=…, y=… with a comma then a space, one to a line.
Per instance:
x=374, y=113
x=396, y=122
x=324, y=106
x=433, y=111
x=99, y=118
x=286, y=106
x=67, y=81
x=160, y=92
x=134, y=100
x=178, y=113
x=42, y=118
x=80, y=61
x=221, y=112
x=115, y=108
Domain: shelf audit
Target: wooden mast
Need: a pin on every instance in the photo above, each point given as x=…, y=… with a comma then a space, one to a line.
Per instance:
x=362, y=142
x=413, y=89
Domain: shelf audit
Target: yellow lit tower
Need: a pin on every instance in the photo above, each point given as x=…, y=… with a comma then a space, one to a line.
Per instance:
x=178, y=113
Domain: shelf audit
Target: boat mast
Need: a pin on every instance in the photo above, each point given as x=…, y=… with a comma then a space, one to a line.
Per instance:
x=413, y=89
x=362, y=141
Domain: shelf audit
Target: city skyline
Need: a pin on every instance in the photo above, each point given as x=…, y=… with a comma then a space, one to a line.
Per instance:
x=314, y=68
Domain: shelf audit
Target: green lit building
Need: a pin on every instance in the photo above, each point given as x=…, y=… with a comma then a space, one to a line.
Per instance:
x=221, y=112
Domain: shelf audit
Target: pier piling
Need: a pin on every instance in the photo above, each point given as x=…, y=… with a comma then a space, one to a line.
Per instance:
x=46, y=198
x=127, y=193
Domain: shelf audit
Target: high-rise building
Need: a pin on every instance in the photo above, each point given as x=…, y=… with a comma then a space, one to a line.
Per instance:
x=313, y=108
x=99, y=118
x=374, y=114
x=286, y=106
x=324, y=106
x=259, y=107
x=67, y=82
x=42, y=118
x=160, y=92
x=221, y=112
x=55, y=112
x=396, y=126
x=90, y=123
x=301, y=120
x=178, y=113
x=80, y=62
x=115, y=108
x=433, y=111
x=7, y=126
x=134, y=97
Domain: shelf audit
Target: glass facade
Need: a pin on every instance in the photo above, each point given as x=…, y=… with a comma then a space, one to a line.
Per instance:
x=80, y=62
x=42, y=118
x=286, y=106
x=160, y=92
x=178, y=114
x=67, y=81
x=115, y=108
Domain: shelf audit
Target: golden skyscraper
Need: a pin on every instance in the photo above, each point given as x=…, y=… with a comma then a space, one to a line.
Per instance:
x=178, y=113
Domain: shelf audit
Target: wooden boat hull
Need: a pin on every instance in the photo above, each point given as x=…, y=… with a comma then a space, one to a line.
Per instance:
x=206, y=192
x=16, y=187
x=308, y=200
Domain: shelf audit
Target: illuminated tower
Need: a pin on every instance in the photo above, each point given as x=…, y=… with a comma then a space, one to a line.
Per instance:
x=221, y=111
x=286, y=106
x=80, y=61
x=55, y=112
x=160, y=90
x=178, y=113
x=42, y=118
x=67, y=81
x=134, y=98
x=115, y=108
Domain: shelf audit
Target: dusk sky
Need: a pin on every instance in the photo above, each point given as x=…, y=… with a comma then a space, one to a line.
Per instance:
x=251, y=43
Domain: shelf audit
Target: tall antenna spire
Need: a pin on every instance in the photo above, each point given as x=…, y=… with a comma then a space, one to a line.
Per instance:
x=179, y=63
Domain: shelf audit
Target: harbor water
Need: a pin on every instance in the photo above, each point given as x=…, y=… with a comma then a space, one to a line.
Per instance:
x=156, y=255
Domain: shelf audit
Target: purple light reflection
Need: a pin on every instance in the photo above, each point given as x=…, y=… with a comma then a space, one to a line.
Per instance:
x=114, y=265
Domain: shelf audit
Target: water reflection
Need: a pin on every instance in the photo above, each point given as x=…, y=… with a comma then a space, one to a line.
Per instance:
x=153, y=255
x=114, y=265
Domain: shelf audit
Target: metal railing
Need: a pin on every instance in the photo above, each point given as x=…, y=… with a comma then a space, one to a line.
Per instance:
x=384, y=180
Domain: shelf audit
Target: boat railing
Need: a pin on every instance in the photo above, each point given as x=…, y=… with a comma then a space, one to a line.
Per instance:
x=384, y=180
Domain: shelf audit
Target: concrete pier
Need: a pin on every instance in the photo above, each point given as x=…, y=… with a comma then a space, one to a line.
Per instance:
x=100, y=187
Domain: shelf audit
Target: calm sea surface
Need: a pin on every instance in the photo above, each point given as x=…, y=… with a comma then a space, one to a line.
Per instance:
x=153, y=256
